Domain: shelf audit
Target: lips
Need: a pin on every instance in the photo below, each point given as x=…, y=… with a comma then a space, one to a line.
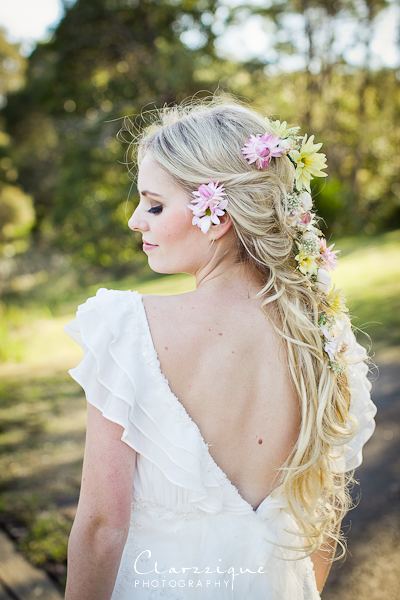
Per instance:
x=149, y=245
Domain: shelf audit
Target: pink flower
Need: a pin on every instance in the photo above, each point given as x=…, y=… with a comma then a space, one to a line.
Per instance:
x=328, y=255
x=302, y=219
x=305, y=218
x=262, y=148
x=208, y=205
x=210, y=191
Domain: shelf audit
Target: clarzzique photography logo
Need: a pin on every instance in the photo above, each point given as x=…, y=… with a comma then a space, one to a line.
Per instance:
x=197, y=582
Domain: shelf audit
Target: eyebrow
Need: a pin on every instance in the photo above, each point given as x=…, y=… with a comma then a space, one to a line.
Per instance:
x=147, y=193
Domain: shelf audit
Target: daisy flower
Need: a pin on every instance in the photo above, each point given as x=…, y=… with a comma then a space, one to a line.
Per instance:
x=309, y=163
x=262, y=148
x=307, y=263
x=211, y=191
x=328, y=255
x=209, y=204
x=282, y=129
x=337, y=302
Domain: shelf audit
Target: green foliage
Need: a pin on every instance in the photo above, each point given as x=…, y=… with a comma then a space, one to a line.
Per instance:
x=107, y=59
x=369, y=273
x=10, y=348
x=355, y=118
x=111, y=58
x=17, y=214
x=47, y=538
x=12, y=67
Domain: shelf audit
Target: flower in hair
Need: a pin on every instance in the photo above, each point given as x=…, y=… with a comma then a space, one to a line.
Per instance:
x=331, y=346
x=324, y=281
x=307, y=263
x=208, y=205
x=308, y=163
x=314, y=259
x=283, y=130
x=328, y=255
x=336, y=302
x=262, y=148
x=306, y=200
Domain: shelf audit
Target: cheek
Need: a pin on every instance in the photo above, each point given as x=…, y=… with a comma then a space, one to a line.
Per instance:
x=176, y=228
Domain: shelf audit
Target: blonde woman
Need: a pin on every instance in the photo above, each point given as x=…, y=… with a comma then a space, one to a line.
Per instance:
x=224, y=424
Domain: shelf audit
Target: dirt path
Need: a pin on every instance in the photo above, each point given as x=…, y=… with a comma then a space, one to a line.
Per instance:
x=371, y=570
x=19, y=580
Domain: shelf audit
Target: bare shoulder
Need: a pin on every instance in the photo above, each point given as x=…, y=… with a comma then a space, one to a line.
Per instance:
x=167, y=310
x=173, y=320
x=168, y=303
x=237, y=325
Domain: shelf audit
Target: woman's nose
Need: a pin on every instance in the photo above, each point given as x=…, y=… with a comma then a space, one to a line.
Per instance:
x=137, y=223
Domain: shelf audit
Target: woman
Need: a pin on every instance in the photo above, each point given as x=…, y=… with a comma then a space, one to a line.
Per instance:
x=223, y=424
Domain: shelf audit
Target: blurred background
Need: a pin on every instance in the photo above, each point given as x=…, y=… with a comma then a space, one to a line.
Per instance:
x=70, y=71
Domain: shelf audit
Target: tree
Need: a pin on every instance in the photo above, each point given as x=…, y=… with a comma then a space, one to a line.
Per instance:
x=351, y=109
x=17, y=214
x=107, y=59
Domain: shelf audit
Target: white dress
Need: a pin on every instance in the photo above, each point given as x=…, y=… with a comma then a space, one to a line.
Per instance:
x=192, y=535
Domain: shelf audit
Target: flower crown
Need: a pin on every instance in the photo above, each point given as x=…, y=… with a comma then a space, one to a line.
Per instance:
x=313, y=257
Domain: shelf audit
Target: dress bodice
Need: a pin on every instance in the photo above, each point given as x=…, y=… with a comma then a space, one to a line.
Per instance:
x=185, y=510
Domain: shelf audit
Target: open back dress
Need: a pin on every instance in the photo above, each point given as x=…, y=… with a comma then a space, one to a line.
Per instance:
x=192, y=535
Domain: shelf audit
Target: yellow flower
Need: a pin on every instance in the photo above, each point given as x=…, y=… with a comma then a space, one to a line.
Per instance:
x=309, y=163
x=336, y=302
x=307, y=263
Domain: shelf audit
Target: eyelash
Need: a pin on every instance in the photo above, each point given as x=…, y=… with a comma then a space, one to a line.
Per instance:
x=155, y=210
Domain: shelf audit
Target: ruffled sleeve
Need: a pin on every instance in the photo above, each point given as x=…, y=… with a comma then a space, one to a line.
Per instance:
x=361, y=407
x=120, y=375
x=96, y=328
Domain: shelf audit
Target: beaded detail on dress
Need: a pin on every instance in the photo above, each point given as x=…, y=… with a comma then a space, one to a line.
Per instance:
x=187, y=512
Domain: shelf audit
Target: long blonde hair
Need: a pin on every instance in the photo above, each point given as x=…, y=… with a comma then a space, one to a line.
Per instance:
x=201, y=139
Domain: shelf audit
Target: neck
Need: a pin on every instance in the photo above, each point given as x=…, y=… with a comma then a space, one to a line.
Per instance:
x=225, y=276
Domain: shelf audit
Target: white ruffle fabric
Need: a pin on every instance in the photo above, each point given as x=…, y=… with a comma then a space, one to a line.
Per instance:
x=192, y=535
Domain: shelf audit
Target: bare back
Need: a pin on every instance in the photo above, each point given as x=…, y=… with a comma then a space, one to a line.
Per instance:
x=228, y=367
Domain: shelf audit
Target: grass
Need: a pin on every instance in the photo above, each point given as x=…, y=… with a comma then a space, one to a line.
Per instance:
x=369, y=273
x=41, y=447
x=43, y=412
x=43, y=423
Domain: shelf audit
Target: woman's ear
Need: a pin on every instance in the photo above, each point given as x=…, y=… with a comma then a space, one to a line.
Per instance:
x=217, y=231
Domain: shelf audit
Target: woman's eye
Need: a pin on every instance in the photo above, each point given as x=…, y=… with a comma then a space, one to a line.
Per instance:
x=155, y=209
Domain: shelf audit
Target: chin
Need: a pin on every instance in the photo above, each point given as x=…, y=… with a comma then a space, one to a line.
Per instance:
x=164, y=269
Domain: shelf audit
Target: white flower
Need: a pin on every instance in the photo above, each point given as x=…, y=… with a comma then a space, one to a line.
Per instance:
x=324, y=281
x=305, y=199
x=288, y=144
x=331, y=346
x=311, y=237
x=310, y=242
